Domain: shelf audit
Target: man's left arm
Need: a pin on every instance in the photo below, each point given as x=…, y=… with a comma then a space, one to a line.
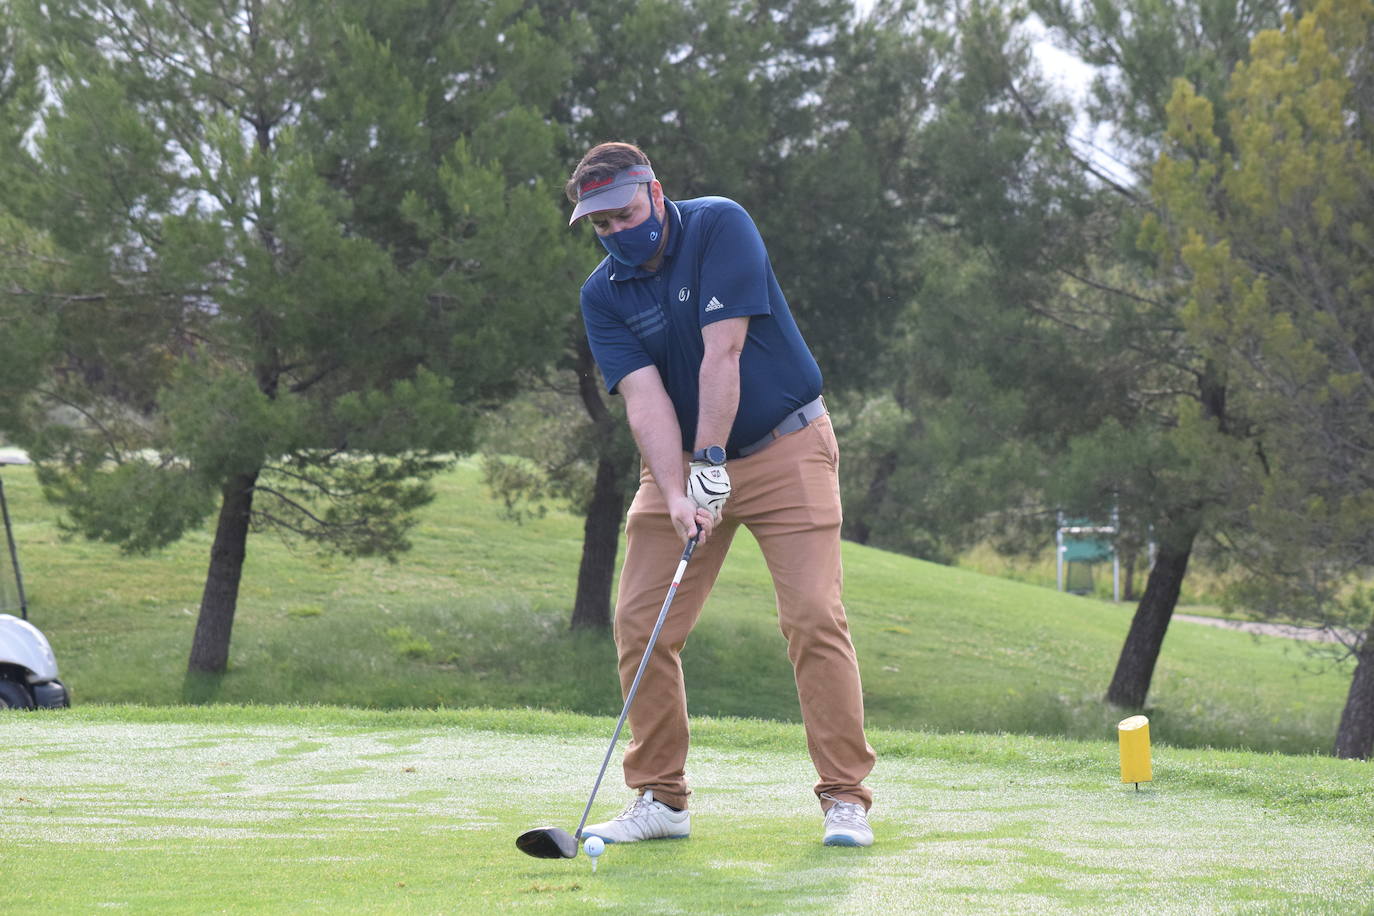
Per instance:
x=718, y=382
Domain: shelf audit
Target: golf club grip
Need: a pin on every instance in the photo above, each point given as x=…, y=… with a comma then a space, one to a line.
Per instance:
x=634, y=685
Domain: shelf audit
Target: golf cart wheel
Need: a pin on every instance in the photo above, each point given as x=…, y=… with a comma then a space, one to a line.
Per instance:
x=52, y=695
x=14, y=696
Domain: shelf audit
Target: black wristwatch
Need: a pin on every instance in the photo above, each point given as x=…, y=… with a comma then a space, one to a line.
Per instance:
x=711, y=454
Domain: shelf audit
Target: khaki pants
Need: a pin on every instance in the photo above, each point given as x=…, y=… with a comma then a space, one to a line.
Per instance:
x=788, y=497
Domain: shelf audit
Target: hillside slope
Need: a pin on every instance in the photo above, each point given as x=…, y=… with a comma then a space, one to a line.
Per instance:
x=476, y=615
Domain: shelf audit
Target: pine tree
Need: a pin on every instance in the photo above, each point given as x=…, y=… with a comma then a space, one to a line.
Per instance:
x=1271, y=233
x=301, y=244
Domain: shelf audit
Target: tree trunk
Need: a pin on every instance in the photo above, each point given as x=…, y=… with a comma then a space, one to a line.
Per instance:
x=861, y=529
x=600, y=539
x=210, y=647
x=1136, y=666
x=1355, y=737
x=1128, y=558
x=601, y=531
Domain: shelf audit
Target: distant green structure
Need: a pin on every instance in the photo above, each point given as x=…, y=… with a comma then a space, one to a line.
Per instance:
x=1080, y=543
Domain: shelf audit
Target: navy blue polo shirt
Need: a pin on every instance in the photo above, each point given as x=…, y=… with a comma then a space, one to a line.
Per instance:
x=715, y=266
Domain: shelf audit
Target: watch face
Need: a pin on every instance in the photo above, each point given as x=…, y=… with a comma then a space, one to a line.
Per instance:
x=713, y=454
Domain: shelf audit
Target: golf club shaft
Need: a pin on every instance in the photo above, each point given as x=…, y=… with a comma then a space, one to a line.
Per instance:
x=634, y=685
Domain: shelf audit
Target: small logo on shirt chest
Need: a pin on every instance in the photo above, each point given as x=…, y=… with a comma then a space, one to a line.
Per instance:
x=684, y=294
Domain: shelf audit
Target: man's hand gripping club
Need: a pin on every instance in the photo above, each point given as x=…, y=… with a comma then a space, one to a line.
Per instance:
x=708, y=485
x=690, y=520
x=696, y=513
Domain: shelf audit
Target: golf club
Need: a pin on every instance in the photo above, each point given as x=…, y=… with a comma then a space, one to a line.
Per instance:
x=555, y=842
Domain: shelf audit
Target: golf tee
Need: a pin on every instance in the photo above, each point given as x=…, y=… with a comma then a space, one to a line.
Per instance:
x=1133, y=736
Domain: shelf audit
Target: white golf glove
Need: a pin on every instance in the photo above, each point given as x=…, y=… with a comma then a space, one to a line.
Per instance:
x=708, y=485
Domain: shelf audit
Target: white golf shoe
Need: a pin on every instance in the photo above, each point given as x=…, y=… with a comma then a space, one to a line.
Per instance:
x=643, y=819
x=846, y=824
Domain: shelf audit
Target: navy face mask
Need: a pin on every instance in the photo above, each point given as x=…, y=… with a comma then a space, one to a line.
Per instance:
x=637, y=244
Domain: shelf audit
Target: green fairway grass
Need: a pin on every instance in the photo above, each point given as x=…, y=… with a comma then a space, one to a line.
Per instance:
x=477, y=615
x=243, y=810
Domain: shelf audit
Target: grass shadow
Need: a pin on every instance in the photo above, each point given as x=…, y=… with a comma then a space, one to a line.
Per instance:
x=200, y=688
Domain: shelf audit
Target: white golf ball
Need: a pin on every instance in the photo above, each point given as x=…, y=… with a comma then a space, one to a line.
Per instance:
x=594, y=846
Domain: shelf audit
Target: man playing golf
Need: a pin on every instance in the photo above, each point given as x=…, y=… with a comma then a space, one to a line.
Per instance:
x=688, y=323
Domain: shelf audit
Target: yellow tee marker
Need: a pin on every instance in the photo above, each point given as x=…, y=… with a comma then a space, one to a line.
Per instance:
x=1134, y=737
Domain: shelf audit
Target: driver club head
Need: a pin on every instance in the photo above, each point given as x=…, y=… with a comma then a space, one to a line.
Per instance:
x=547, y=843
x=554, y=842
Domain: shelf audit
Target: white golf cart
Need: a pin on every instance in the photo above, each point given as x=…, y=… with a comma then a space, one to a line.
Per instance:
x=28, y=669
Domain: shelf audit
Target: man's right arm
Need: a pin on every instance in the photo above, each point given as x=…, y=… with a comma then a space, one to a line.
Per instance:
x=654, y=425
